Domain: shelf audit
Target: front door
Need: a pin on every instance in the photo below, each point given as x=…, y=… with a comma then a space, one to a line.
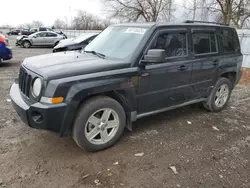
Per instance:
x=39, y=40
x=167, y=83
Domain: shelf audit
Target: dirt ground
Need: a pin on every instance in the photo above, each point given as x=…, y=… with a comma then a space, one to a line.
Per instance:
x=207, y=149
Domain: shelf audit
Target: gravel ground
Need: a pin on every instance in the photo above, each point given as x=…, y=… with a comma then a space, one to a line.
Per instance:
x=206, y=149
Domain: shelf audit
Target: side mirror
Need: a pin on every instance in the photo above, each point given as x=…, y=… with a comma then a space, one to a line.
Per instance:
x=154, y=56
x=34, y=36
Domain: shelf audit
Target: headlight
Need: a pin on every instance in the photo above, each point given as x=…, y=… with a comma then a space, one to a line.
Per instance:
x=37, y=87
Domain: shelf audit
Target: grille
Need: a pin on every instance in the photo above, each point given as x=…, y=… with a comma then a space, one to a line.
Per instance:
x=24, y=81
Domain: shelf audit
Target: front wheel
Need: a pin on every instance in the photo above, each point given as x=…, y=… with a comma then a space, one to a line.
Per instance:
x=219, y=96
x=99, y=123
x=26, y=44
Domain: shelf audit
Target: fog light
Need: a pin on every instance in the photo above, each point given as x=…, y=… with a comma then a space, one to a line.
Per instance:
x=37, y=117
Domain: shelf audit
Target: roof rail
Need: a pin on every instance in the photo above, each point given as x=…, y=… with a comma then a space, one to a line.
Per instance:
x=194, y=21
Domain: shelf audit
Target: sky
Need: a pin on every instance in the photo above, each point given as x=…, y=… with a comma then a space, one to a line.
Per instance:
x=19, y=12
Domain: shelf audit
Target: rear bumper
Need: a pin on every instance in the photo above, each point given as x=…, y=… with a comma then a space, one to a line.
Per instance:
x=7, y=54
x=38, y=115
x=239, y=75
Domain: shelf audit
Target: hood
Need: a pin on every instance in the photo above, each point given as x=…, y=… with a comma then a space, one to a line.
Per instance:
x=65, y=43
x=65, y=64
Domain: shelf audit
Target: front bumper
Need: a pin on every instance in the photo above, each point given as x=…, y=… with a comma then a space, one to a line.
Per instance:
x=18, y=43
x=38, y=115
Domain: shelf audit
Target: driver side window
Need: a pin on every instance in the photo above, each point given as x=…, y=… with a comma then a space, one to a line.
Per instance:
x=174, y=44
x=41, y=35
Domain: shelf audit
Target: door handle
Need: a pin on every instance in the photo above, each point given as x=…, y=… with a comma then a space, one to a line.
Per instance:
x=182, y=68
x=215, y=62
x=145, y=74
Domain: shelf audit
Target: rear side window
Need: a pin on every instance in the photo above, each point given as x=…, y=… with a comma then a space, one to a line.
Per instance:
x=230, y=41
x=204, y=43
x=51, y=35
x=174, y=44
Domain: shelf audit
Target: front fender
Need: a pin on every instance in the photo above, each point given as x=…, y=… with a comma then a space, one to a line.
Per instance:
x=25, y=39
x=125, y=88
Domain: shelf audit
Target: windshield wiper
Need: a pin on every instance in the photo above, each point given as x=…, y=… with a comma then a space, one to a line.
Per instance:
x=96, y=53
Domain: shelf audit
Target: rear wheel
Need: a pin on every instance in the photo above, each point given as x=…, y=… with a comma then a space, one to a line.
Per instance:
x=219, y=96
x=26, y=44
x=99, y=124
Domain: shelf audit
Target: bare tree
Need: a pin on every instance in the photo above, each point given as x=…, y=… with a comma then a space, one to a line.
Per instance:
x=234, y=12
x=27, y=25
x=197, y=10
x=87, y=21
x=59, y=24
x=37, y=23
x=140, y=10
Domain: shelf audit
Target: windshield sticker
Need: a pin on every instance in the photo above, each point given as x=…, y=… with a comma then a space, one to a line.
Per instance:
x=140, y=31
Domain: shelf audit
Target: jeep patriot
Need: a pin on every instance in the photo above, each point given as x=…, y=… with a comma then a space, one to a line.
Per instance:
x=127, y=72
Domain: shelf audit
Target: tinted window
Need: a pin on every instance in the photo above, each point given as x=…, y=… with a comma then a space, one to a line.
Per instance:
x=204, y=42
x=229, y=41
x=41, y=35
x=51, y=35
x=174, y=44
x=33, y=30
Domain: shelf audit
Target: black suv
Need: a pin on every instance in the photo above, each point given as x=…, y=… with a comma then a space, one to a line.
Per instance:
x=127, y=72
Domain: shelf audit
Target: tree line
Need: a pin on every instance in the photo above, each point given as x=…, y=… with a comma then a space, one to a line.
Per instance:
x=232, y=12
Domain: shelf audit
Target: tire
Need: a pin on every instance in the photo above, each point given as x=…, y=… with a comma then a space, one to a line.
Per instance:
x=223, y=85
x=26, y=44
x=83, y=131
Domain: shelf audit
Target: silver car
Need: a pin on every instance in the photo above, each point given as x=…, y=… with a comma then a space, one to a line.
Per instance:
x=42, y=38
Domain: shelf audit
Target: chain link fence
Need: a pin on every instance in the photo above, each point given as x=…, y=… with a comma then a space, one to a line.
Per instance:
x=244, y=37
x=76, y=33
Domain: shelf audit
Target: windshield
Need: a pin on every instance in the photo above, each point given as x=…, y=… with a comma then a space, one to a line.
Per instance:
x=83, y=37
x=117, y=42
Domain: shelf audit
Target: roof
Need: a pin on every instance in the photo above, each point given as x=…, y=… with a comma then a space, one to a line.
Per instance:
x=44, y=32
x=151, y=24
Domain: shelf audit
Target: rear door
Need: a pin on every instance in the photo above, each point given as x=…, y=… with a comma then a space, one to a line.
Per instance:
x=51, y=38
x=206, y=59
x=230, y=49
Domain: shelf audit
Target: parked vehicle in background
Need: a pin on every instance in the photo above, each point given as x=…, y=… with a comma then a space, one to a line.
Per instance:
x=77, y=43
x=2, y=34
x=14, y=32
x=27, y=32
x=5, y=51
x=42, y=38
x=127, y=72
x=34, y=30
